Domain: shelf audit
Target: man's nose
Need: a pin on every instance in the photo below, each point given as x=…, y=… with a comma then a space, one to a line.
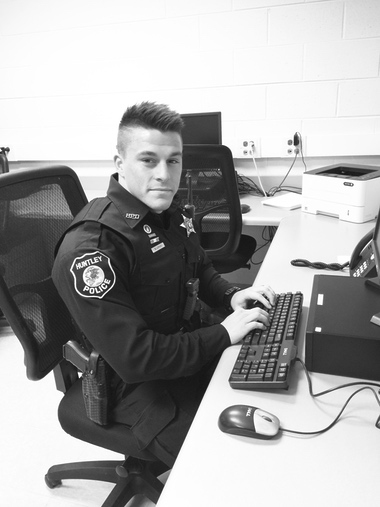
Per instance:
x=162, y=171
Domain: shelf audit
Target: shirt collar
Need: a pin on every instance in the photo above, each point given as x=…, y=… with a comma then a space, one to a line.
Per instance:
x=131, y=208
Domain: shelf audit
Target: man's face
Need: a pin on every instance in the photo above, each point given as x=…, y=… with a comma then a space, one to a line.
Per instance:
x=150, y=166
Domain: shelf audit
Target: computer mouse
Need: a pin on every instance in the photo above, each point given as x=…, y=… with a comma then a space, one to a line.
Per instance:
x=245, y=208
x=249, y=422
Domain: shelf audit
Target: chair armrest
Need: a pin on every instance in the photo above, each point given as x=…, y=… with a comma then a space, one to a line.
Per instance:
x=65, y=375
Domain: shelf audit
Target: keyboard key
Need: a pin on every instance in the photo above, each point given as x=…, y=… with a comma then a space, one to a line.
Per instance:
x=255, y=377
x=238, y=376
x=255, y=337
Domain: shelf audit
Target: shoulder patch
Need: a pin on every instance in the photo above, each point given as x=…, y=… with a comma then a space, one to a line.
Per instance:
x=93, y=275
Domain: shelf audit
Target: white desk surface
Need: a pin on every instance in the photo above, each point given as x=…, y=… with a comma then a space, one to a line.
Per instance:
x=259, y=214
x=338, y=468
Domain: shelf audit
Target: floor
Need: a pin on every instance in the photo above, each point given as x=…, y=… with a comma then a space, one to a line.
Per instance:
x=31, y=440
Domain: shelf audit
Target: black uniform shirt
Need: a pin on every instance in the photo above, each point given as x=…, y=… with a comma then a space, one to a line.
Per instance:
x=121, y=270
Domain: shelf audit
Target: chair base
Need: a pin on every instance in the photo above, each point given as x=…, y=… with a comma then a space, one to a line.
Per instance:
x=132, y=477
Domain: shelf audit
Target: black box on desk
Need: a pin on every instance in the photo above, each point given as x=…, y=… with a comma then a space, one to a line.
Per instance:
x=340, y=339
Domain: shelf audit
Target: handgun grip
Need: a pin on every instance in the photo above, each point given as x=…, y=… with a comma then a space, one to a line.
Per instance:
x=76, y=354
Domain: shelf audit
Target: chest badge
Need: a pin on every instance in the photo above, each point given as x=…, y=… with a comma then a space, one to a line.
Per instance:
x=188, y=225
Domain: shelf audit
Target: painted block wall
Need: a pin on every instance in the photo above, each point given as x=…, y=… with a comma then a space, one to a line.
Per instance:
x=272, y=67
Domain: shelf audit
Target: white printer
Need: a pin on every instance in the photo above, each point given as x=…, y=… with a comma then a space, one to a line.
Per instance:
x=349, y=192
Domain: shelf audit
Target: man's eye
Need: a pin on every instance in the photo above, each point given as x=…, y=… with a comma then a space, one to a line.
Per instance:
x=174, y=161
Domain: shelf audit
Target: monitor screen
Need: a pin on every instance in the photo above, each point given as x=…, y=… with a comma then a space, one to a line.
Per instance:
x=375, y=282
x=202, y=128
x=376, y=246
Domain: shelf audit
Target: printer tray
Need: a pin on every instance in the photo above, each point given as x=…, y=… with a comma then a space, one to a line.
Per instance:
x=340, y=339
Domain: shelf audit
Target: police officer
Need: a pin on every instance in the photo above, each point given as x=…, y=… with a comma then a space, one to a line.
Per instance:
x=122, y=270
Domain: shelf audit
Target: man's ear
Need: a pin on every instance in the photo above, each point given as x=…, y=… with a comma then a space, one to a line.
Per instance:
x=117, y=160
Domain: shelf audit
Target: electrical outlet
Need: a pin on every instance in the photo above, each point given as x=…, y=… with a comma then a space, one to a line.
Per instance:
x=247, y=148
x=289, y=148
x=293, y=145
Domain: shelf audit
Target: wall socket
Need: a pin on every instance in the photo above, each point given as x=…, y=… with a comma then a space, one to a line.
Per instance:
x=247, y=148
x=268, y=146
x=293, y=145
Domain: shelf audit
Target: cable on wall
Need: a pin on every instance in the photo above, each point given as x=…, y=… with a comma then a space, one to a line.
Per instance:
x=252, y=145
x=297, y=142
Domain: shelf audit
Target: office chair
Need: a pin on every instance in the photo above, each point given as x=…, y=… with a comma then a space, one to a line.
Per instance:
x=36, y=206
x=209, y=183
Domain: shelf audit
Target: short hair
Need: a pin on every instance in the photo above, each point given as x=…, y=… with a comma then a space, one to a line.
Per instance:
x=149, y=115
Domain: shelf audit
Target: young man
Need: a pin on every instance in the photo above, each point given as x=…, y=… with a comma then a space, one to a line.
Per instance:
x=122, y=269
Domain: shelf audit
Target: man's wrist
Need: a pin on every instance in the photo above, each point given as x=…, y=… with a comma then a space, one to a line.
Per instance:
x=228, y=297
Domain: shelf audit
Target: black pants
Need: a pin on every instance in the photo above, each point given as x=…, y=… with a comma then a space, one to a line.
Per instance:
x=160, y=412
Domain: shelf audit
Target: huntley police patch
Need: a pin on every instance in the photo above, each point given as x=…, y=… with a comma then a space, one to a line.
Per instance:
x=93, y=275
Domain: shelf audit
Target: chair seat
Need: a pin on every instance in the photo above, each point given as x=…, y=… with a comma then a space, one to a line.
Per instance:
x=116, y=437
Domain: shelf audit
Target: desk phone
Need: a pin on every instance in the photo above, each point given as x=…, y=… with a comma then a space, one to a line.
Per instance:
x=362, y=261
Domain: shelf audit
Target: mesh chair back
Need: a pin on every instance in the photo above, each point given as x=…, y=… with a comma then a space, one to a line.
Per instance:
x=209, y=177
x=36, y=207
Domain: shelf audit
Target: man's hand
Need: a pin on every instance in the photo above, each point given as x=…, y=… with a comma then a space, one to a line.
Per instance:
x=245, y=297
x=242, y=321
x=245, y=318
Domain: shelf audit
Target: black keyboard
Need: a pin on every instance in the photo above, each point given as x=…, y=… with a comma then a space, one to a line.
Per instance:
x=266, y=356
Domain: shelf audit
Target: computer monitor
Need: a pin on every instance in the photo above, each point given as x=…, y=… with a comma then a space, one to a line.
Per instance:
x=375, y=282
x=202, y=128
x=376, y=248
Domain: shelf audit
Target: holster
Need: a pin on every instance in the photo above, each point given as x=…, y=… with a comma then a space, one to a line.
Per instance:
x=95, y=389
x=95, y=382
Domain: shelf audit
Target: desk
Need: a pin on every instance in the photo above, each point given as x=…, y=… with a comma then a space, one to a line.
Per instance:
x=339, y=467
x=264, y=215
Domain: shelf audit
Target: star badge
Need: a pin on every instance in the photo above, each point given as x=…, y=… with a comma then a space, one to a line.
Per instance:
x=188, y=225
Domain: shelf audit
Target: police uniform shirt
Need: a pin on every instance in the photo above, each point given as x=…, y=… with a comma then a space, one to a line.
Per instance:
x=121, y=270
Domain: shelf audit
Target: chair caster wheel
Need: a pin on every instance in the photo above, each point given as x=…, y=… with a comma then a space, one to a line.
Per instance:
x=50, y=483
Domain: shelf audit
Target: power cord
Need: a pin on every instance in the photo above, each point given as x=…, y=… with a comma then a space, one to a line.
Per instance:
x=270, y=231
x=303, y=263
x=298, y=149
x=252, y=146
x=366, y=386
x=274, y=190
x=298, y=137
x=247, y=186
